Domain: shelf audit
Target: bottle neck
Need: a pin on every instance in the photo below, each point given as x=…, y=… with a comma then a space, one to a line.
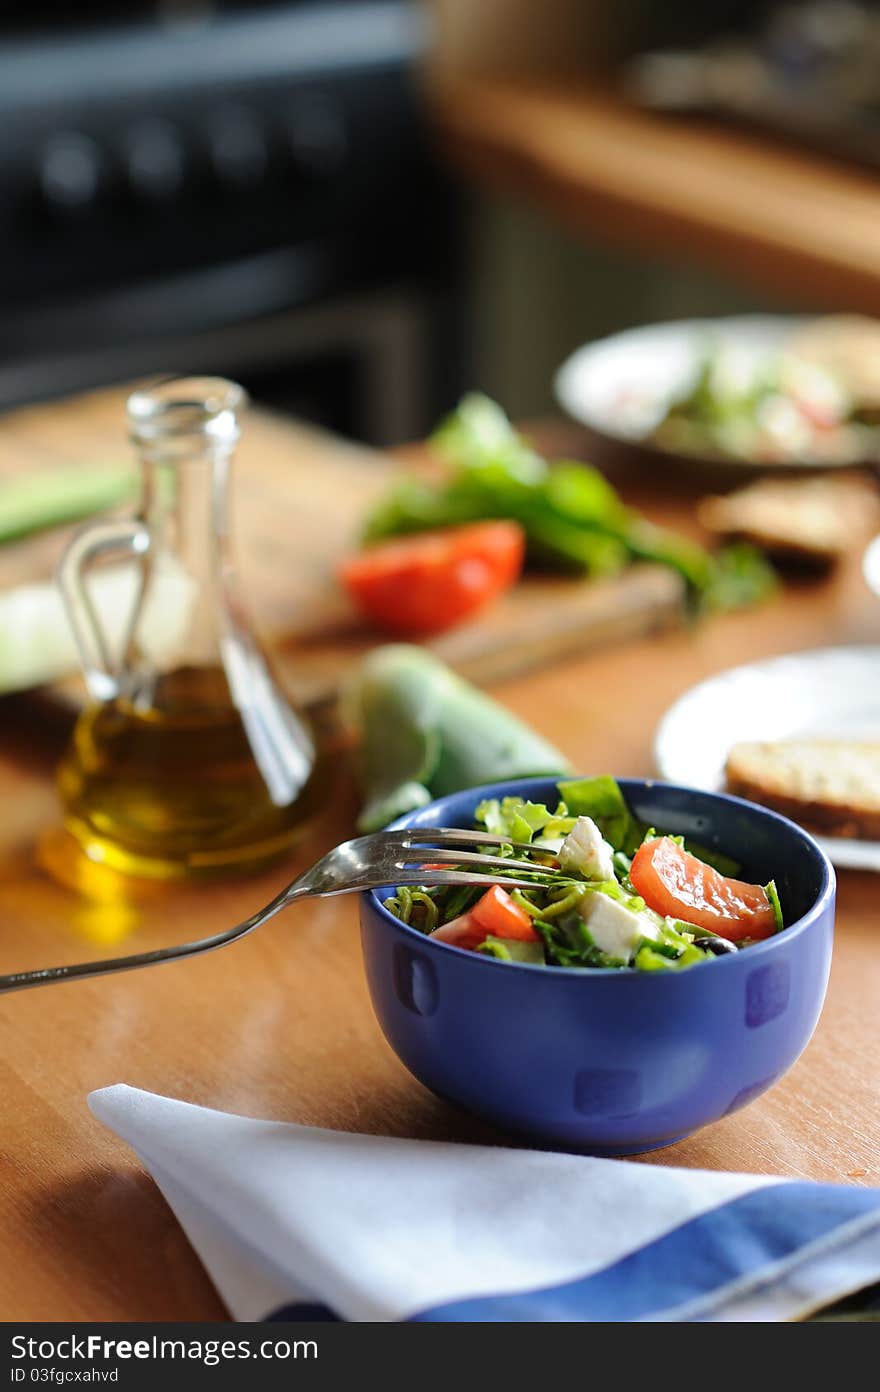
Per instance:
x=185, y=504
x=185, y=430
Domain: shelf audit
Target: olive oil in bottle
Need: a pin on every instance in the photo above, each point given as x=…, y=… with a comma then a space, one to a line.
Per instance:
x=188, y=760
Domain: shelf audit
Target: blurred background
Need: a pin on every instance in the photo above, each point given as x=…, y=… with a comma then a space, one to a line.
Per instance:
x=361, y=208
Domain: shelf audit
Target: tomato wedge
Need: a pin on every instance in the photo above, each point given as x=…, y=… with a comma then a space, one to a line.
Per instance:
x=494, y=915
x=463, y=931
x=502, y=918
x=678, y=885
x=426, y=583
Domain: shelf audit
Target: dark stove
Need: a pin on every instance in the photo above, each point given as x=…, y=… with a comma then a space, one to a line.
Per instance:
x=246, y=189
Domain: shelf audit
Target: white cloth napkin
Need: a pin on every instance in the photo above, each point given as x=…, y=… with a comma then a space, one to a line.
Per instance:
x=302, y=1222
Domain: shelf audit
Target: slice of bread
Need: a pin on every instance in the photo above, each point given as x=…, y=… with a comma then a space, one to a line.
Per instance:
x=829, y=785
x=813, y=521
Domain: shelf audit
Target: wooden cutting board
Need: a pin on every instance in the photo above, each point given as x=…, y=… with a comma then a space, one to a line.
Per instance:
x=299, y=498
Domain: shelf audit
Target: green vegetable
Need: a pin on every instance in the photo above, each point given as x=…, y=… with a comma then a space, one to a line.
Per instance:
x=457, y=901
x=37, y=501
x=773, y=895
x=568, y=943
x=415, y=906
x=511, y=950
x=572, y=517
x=601, y=799
x=560, y=907
x=650, y=958
x=425, y=733
x=479, y=436
x=519, y=821
x=691, y=956
x=741, y=577
x=523, y=902
x=36, y=641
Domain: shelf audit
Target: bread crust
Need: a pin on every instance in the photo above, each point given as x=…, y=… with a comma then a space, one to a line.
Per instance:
x=807, y=521
x=806, y=781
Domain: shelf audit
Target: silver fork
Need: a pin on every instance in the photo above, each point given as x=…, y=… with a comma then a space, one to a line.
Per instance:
x=368, y=862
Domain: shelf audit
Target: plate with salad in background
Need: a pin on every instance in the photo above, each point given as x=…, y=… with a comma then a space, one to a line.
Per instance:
x=748, y=392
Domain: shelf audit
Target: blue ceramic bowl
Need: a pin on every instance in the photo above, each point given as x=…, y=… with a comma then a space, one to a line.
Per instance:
x=604, y=1061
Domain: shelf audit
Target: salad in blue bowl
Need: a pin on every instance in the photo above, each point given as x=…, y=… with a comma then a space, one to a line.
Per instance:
x=670, y=974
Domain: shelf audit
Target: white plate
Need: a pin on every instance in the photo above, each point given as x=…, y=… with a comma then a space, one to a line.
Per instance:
x=871, y=566
x=832, y=692
x=656, y=362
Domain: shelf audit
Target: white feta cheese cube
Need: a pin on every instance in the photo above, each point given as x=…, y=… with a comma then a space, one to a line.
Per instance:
x=586, y=852
x=614, y=928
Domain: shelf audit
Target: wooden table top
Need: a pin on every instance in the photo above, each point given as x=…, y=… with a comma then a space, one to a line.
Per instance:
x=762, y=210
x=280, y=1025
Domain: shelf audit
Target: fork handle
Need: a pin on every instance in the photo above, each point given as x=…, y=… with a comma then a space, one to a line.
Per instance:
x=75, y=971
x=300, y=887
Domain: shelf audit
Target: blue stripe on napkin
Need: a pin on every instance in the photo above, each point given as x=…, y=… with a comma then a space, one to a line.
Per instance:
x=744, y=1240
x=740, y=1239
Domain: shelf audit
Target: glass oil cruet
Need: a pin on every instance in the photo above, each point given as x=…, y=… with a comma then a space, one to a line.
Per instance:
x=187, y=760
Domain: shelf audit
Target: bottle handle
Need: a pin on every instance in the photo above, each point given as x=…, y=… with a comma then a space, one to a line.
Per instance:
x=116, y=537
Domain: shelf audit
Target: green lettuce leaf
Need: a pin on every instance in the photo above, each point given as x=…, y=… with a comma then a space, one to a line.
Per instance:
x=572, y=516
x=601, y=799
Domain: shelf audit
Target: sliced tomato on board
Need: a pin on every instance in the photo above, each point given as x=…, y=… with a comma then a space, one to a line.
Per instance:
x=426, y=583
x=494, y=915
x=676, y=884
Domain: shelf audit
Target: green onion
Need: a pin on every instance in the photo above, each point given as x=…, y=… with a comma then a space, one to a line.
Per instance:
x=524, y=903
x=40, y=500
x=773, y=895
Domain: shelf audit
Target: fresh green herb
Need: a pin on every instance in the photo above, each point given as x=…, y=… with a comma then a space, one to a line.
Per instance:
x=572, y=517
x=601, y=799
x=773, y=895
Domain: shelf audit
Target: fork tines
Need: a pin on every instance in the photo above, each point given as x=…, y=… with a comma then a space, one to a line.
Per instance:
x=457, y=836
x=442, y=845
